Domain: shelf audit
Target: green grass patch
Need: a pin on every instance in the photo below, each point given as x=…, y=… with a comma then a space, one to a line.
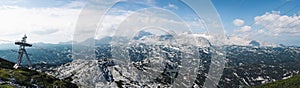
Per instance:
x=26, y=77
x=5, y=86
x=293, y=82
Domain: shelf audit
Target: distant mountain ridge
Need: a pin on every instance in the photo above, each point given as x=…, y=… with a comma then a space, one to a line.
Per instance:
x=230, y=40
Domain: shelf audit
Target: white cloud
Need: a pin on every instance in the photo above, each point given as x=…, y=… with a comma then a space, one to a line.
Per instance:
x=111, y=22
x=237, y=40
x=273, y=27
x=170, y=5
x=138, y=20
x=260, y=31
x=75, y=4
x=238, y=22
x=145, y=2
x=50, y=25
x=275, y=24
x=244, y=29
x=54, y=24
x=45, y=32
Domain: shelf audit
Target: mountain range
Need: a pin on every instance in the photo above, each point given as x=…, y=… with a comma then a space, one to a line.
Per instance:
x=248, y=62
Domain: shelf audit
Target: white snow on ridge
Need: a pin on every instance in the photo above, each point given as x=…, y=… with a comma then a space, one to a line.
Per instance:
x=236, y=40
x=202, y=35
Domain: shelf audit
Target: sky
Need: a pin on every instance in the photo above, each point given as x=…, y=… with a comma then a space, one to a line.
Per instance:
x=274, y=21
x=54, y=21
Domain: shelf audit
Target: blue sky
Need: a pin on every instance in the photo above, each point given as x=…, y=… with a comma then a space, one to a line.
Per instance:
x=248, y=9
x=275, y=21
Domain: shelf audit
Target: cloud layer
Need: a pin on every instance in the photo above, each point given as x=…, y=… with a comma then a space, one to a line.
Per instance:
x=49, y=24
x=272, y=27
x=275, y=24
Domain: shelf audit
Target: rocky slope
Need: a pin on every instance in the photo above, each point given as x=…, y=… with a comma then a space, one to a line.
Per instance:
x=23, y=77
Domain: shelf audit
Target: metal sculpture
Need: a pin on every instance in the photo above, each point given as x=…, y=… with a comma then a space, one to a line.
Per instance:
x=22, y=51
